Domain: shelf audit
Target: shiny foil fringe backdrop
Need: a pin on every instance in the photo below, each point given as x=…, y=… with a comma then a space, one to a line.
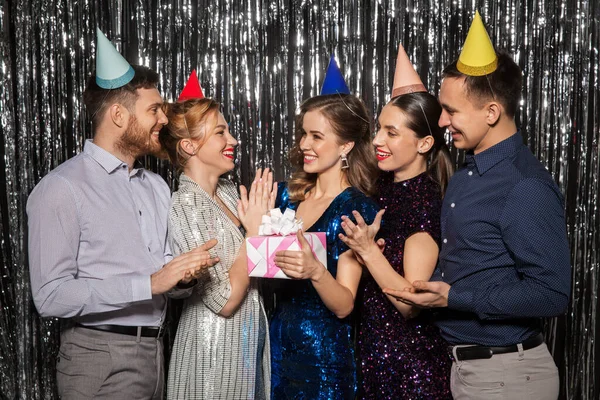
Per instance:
x=261, y=59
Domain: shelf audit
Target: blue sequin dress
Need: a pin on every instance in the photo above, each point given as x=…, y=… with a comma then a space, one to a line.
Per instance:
x=312, y=350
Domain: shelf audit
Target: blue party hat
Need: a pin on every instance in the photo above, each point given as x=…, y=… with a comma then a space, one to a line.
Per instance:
x=334, y=80
x=112, y=70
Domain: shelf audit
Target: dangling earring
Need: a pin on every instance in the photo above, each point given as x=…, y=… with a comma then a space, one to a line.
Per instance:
x=345, y=164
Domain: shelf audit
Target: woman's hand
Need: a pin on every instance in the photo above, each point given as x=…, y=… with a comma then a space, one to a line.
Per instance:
x=300, y=264
x=360, y=236
x=380, y=244
x=252, y=206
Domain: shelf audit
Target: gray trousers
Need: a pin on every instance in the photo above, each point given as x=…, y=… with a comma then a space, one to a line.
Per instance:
x=104, y=365
x=529, y=374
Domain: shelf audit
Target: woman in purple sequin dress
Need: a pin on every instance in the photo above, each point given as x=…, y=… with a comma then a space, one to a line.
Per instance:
x=401, y=352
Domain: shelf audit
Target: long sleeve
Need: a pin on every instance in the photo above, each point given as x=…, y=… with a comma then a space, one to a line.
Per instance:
x=59, y=289
x=194, y=219
x=534, y=232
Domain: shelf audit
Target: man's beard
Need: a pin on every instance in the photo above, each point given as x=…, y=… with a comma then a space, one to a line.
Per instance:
x=136, y=142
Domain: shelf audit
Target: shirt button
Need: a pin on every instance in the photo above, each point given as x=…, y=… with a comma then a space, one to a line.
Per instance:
x=141, y=211
x=445, y=240
x=451, y=205
x=149, y=249
x=442, y=274
x=470, y=173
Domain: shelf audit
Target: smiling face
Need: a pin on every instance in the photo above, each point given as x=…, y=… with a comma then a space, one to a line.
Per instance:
x=320, y=144
x=398, y=147
x=145, y=122
x=465, y=119
x=216, y=148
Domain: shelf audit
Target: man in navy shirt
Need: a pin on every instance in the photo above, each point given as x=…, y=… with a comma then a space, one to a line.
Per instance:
x=504, y=262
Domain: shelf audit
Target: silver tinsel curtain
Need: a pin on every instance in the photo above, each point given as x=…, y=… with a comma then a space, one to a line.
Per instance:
x=261, y=58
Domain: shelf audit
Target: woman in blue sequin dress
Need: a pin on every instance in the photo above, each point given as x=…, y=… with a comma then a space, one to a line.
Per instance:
x=402, y=353
x=311, y=332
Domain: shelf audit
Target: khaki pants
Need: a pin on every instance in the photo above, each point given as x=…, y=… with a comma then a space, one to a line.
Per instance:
x=529, y=374
x=105, y=365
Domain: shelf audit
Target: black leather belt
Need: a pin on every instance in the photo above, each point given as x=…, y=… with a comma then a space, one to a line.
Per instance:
x=146, y=331
x=481, y=352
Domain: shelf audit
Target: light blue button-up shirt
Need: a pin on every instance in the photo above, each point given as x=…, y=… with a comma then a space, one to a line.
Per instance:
x=97, y=231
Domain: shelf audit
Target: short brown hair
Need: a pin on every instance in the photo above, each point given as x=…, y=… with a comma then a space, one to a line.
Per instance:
x=185, y=122
x=350, y=120
x=503, y=85
x=97, y=100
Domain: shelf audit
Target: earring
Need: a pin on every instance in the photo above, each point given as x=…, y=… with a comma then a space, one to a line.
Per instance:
x=345, y=164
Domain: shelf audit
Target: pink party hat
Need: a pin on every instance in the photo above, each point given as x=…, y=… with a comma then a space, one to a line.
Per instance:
x=406, y=79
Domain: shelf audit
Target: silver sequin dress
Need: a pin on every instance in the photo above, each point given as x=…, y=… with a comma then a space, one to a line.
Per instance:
x=215, y=357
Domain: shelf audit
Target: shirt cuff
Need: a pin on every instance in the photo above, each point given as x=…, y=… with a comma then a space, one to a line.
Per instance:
x=460, y=299
x=141, y=288
x=188, y=285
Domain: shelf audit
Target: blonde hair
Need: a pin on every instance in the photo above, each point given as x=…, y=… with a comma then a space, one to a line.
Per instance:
x=186, y=120
x=349, y=119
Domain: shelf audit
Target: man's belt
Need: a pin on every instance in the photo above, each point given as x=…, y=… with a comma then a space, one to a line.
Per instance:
x=146, y=331
x=481, y=352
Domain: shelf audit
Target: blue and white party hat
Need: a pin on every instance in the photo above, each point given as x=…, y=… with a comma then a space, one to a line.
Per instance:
x=334, y=80
x=112, y=70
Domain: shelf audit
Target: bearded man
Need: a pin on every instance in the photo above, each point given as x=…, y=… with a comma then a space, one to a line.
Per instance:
x=97, y=246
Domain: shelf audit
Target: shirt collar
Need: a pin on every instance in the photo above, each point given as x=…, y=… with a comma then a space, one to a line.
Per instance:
x=108, y=161
x=485, y=160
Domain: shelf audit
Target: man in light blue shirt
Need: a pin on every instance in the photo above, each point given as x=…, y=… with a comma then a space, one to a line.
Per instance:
x=98, y=252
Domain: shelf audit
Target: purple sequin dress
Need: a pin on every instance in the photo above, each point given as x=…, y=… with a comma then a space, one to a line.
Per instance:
x=402, y=359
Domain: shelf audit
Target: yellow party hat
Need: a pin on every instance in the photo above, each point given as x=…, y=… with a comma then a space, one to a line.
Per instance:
x=477, y=57
x=406, y=79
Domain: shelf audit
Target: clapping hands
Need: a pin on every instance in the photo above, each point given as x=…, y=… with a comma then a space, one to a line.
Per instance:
x=256, y=203
x=360, y=236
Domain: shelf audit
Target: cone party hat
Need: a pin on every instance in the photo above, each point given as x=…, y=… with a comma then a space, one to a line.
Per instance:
x=406, y=79
x=478, y=56
x=112, y=70
x=334, y=80
x=192, y=89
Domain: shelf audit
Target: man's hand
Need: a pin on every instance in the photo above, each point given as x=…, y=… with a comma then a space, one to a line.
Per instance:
x=184, y=267
x=422, y=294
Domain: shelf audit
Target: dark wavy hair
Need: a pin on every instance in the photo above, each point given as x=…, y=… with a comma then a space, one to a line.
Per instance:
x=350, y=120
x=422, y=111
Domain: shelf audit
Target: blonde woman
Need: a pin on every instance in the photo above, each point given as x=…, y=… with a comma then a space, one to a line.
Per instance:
x=221, y=349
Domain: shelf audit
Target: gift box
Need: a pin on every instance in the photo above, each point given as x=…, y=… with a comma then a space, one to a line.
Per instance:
x=276, y=233
x=261, y=252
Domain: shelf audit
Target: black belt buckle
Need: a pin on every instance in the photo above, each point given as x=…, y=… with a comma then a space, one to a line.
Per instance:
x=152, y=331
x=473, y=353
x=486, y=352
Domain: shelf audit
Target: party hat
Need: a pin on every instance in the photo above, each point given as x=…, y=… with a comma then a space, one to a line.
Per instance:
x=477, y=57
x=334, y=81
x=406, y=79
x=192, y=89
x=112, y=70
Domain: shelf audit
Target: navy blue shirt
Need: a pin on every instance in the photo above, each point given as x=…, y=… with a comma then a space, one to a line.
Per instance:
x=504, y=248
